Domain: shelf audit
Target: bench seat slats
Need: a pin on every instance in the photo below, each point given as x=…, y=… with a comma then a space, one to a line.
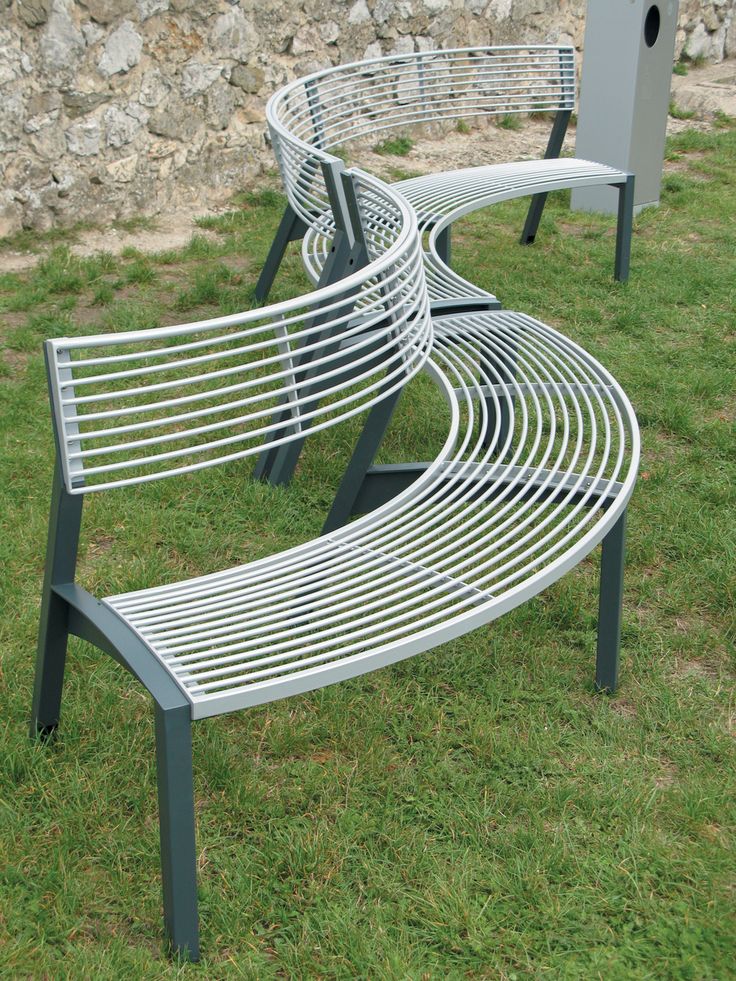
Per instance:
x=442, y=198
x=464, y=543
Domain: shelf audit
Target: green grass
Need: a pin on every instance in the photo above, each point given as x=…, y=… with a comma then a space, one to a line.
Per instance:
x=475, y=812
x=397, y=146
x=509, y=121
x=677, y=113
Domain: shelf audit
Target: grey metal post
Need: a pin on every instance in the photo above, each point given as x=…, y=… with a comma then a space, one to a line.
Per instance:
x=624, y=95
x=554, y=147
x=278, y=464
x=624, y=228
x=65, y=522
x=610, y=606
x=176, y=827
x=365, y=450
x=291, y=229
x=444, y=245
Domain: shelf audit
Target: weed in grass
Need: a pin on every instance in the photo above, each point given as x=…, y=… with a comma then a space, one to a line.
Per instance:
x=97, y=265
x=200, y=247
x=510, y=121
x=166, y=257
x=32, y=241
x=267, y=198
x=206, y=289
x=397, y=146
x=139, y=271
x=60, y=272
x=677, y=113
x=138, y=223
x=401, y=173
x=696, y=61
x=225, y=224
x=132, y=315
x=722, y=120
x=103, y=295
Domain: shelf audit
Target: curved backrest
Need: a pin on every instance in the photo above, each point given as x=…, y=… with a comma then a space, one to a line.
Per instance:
x=139, y=405
x=316, y=114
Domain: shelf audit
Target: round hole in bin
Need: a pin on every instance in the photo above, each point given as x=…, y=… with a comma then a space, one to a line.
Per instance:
x=651, y=26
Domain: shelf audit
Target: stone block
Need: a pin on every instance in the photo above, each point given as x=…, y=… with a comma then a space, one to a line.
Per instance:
x=176, y=121
x=122, y=50
x=197, y=78
x=123, y=171
x=80, y=103
x=33, y=13
x=233, y=36
x=62, y=44
x=249, y=78
x=83, y=138
x=106, y=11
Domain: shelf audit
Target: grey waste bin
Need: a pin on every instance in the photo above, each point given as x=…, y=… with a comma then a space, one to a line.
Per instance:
x=625, y=94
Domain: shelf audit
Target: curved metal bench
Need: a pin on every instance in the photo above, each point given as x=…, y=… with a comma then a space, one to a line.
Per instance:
x=536, y=469
x=311, y=118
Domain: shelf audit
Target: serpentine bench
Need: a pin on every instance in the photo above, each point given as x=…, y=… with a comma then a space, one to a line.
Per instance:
x=536, y=468
x=313, y=118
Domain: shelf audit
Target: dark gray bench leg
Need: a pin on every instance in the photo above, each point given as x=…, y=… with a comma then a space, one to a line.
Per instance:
x=624, y=229
x=610, y=606
x=444, y=245
x=533, y=217
x=61, y=558
x=176, y=824
x=291, y=228
x=366, y=448
x=554, y=148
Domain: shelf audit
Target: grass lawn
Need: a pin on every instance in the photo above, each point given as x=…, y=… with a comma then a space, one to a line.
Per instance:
x=474, y=812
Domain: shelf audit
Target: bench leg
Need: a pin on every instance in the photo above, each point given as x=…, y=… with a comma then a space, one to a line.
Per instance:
x=365, y=450
x=610, y=606
x=444, y=245
x=277, y=464
x=291, y=228
x=61, y=556
x=533, y=217
x=624, y=229
x=176, y=824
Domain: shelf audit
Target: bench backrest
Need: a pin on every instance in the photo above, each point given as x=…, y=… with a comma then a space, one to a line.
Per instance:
x=138, y=405
x=314, y=115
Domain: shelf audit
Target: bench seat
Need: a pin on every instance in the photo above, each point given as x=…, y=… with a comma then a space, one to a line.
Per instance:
x=539, y=463
x=440, y=199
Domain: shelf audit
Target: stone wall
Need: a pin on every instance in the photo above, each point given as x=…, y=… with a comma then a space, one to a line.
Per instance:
x=110, y=108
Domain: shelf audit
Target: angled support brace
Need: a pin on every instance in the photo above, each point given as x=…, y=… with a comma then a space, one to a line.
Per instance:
x=291, y=229
x=554, y=147
x=364, y=453
x=349, y=253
